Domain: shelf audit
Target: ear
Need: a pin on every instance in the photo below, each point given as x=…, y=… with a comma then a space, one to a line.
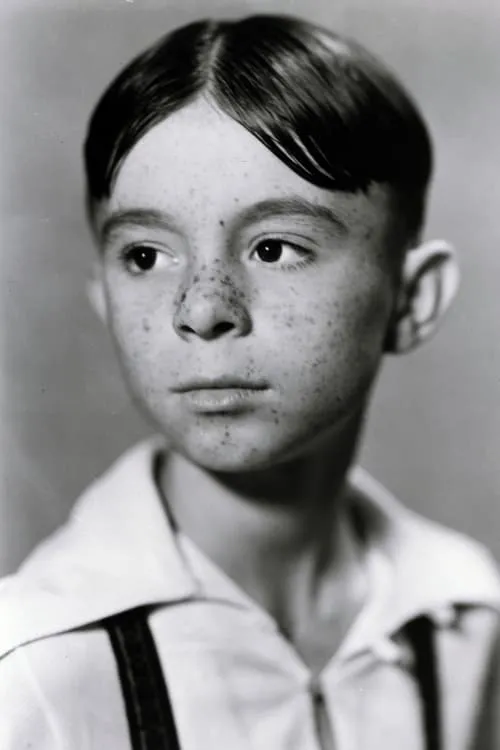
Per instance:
x=429, y=283
x=96, y=293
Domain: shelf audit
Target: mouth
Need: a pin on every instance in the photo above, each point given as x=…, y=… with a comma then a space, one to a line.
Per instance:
x=221, y=395
x=218, y=384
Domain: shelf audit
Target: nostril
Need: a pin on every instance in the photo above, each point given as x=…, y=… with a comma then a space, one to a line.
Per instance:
x=223, y=327
x=219, y=329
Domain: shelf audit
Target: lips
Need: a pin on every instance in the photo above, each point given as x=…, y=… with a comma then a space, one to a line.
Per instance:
x=222, y=383
x=221, y=395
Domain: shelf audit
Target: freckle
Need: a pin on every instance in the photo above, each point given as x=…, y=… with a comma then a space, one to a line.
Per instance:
x=221, y=223
x=145, y=325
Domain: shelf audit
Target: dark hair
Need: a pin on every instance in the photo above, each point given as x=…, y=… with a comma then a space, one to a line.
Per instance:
x=322, y=104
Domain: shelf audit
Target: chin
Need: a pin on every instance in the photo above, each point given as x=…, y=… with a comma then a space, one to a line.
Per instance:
x=242, y=444
x=225, y=458
x=230, y=453
x=223, y=451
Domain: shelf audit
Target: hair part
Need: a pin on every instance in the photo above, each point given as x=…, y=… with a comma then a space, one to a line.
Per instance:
x=319, y=102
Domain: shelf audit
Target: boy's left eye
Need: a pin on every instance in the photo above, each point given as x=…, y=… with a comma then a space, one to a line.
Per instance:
x=279, y=252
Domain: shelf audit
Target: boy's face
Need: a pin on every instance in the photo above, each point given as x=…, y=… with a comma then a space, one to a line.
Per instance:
x=249, y=307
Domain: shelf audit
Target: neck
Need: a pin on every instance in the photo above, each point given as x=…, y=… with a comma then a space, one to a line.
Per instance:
x=274, y=531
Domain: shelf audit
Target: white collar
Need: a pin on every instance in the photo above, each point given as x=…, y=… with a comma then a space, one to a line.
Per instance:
x=433, y=567
x=118, y=551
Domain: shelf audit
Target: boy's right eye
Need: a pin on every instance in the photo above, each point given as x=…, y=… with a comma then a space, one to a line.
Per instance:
x=140, y=259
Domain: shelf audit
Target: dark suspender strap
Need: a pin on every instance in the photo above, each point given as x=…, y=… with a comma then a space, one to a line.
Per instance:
x=150, y=718
x=420, y=633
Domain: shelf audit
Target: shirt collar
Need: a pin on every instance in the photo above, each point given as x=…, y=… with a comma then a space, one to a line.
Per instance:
x=433, y=568
x=118, y=552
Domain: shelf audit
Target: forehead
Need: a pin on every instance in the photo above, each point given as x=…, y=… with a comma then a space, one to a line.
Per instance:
x=201, y=166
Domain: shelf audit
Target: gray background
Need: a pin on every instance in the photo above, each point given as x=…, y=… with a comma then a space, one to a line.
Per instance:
x=434, y=433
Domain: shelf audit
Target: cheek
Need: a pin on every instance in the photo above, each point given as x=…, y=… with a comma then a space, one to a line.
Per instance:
x=364, y=315
x=138, y=327
x=347, y=314
x=336, y=337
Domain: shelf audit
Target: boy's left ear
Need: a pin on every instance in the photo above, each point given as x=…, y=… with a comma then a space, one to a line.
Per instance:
x=429, y=282
x=96, y=293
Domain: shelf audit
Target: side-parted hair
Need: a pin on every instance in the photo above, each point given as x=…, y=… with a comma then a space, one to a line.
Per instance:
x=321, y=103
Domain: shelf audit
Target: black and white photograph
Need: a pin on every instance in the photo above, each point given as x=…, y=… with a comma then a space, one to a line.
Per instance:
x=250, y=375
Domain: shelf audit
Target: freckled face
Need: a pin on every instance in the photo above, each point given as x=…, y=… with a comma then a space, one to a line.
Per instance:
x=248, y=307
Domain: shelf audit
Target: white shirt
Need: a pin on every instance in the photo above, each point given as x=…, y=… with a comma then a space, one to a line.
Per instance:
x=234, y=681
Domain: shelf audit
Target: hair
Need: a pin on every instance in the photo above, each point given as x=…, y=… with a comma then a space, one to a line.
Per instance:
x=321, y=103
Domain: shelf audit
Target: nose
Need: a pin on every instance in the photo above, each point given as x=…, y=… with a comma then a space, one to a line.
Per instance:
x=210, y=305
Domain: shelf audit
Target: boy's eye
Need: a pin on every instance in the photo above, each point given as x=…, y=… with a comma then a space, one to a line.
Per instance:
x=140, y=259
x=269, y=251
x=275, y=251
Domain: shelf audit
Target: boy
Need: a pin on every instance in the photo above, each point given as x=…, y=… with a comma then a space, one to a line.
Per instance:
x=256, y=190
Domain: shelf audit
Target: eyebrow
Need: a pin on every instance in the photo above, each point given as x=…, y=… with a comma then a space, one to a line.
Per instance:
x=145, y=217
x=266, y=209
x=290, y=206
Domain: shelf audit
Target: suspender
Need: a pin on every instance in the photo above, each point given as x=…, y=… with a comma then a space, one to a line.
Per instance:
x=149, y=713
x=147, y=703
x=421, y=636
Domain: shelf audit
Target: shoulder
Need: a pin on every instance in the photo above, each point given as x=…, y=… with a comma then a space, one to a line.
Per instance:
x=433, y=566
x=111, y=555
x=56, y=690
x=24, y=716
